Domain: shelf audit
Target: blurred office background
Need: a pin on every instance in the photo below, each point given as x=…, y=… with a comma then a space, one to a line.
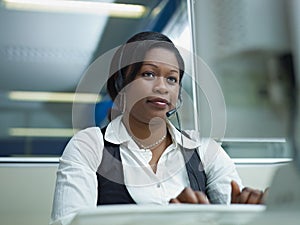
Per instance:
x=46, y=49
x=44, y=52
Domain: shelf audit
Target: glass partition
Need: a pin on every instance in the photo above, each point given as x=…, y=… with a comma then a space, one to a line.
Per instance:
x=246, y=45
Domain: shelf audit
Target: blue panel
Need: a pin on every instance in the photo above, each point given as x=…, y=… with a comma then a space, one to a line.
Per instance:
x=13, y=146
x=49, y=146
x=163, y=18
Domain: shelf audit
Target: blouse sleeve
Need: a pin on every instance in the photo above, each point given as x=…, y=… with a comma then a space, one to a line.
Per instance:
x=220, y=171
x=76, y=182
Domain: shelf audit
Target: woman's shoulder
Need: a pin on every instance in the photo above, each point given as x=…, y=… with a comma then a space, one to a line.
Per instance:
x=88, y=133
x=207, y=146
x=85, y=148
x=88, y=139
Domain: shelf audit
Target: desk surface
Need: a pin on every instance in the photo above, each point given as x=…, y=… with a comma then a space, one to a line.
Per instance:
x=175, y=214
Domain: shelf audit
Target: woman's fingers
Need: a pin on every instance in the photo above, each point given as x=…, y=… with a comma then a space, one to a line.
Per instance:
x=244, y=196
x=235, y=192
x=201, y=197
x=252, y=196
x=190, y=196
x=247, y=195
x=174, y=201
x=187, y=196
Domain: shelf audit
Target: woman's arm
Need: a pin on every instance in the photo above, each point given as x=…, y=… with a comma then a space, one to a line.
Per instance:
x=220, y=171
x=76, y=183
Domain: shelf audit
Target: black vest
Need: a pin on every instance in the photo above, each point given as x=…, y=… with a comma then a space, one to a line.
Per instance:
x=111, y=187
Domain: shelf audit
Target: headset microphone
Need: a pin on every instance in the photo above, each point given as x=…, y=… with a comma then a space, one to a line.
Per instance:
x=172, y=111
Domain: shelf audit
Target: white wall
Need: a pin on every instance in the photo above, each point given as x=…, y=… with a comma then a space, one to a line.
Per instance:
x=26, y=193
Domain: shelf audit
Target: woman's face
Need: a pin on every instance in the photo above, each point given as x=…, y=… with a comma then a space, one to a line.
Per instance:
x=155, y=89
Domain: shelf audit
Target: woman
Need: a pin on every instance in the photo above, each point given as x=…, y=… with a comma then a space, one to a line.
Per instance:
x=140, y=157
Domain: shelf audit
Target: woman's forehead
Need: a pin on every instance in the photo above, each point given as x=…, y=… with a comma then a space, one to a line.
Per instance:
x=161, y=55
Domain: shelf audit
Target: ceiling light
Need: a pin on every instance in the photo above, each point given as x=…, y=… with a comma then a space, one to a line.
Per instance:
x=86, y=7
x=54, y=97
x=42, y=132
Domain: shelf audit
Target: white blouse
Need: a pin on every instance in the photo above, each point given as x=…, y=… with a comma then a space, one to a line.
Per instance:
x=76, y=184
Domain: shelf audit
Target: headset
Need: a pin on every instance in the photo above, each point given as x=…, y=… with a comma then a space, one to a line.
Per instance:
x=119, y=80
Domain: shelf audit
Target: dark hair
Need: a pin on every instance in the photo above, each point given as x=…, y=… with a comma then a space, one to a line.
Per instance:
x=128, y=59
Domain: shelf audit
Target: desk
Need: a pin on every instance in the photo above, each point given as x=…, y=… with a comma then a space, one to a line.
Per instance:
x=282, y=217
x=175, y=214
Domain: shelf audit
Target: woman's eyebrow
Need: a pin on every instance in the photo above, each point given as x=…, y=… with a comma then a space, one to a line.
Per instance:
x=156, y=66
x=149, y=64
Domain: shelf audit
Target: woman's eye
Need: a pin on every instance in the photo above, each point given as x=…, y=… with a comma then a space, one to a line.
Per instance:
x=172, y=79
x=148, y=74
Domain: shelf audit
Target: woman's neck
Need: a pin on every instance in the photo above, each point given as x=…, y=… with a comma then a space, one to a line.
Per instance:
x=153, y=134
x=146, y=133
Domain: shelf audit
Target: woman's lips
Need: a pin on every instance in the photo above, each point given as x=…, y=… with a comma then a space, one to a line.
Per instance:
x=158, y=102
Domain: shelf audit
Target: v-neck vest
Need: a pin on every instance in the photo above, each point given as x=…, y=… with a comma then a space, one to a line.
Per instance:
x=110, y=176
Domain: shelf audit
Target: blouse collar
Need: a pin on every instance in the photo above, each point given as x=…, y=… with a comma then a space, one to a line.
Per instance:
x=117, y=133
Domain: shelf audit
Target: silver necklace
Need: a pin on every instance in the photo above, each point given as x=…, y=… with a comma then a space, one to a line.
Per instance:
x=152, y=145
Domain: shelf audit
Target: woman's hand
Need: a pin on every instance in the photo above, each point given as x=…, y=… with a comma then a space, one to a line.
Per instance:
x=190, y=196
x=247, y=195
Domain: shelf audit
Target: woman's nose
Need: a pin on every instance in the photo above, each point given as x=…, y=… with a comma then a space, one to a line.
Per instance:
x=160, y=85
